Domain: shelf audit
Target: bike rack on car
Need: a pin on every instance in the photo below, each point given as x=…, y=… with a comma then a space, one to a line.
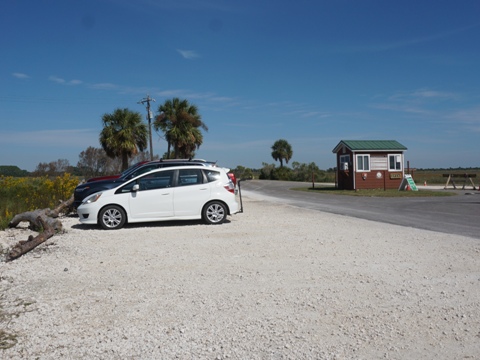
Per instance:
x=240, y=195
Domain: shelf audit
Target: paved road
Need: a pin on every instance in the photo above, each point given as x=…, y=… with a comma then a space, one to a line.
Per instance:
x=458, y=214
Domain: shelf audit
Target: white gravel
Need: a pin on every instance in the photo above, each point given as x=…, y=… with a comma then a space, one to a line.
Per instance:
x=276, y=282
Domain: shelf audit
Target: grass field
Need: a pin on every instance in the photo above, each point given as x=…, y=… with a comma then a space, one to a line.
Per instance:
x=436, y=177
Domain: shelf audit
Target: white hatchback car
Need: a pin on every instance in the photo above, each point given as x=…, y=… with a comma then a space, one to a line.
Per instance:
x=173, y=193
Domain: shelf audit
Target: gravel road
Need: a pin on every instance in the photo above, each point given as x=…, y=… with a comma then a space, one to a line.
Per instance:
x=276, y=282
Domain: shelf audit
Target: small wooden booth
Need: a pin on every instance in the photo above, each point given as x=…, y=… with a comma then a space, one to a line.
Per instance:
x=369, y=164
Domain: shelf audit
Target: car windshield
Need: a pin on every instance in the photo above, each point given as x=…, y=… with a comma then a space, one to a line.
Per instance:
x=140, y=170
x=130, y=169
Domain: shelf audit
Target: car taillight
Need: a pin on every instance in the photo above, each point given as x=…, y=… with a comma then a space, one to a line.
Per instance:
x=230, y=187
x=233, y=178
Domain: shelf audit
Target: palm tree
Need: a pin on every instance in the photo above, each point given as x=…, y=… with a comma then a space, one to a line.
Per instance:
x=180, y=122
x=282, y=150
x=123, y=135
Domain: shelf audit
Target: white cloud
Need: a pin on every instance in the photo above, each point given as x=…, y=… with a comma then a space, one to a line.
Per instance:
x=171, y=93
x=222, y=99
x=20, y=75
x=105, y=86
x=406, y=108
x=59, y=80
x=315, y=114
x=466, y=116
x=433, y=94
x=424, y=94
x=188, y=54
x=424, y=101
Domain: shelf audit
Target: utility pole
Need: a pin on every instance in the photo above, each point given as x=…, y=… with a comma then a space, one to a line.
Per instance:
x=149, y=118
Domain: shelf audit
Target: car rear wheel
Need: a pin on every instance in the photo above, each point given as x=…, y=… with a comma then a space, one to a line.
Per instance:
x=215, y=212
x=112, y=217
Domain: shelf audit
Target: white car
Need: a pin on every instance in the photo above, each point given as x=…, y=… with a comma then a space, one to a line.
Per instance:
x=173, y=193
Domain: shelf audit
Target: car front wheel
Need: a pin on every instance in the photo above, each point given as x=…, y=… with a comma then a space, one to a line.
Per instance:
x=215, y=212
x=112, y=217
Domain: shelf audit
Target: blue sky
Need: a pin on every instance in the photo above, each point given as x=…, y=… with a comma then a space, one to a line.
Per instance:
x=311, y=72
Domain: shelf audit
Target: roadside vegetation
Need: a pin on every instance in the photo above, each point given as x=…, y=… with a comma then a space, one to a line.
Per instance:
x=298, y=172
x=29, y=193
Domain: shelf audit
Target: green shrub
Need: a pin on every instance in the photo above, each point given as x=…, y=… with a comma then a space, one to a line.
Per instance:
x=18, y=195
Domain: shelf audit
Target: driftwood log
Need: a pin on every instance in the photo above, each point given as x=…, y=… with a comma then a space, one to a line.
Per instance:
x=44, y=221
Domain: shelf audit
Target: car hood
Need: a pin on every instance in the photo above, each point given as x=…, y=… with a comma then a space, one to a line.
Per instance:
x=109, y=183
x=101, y=178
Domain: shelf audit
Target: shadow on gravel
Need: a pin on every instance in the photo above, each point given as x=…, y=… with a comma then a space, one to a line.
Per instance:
x=155, y=224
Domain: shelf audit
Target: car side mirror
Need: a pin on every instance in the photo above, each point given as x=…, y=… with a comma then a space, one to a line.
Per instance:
x=136, y=187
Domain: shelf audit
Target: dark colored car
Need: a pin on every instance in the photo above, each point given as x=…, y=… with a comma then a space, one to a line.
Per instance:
x=88, y=188
x=124, y=173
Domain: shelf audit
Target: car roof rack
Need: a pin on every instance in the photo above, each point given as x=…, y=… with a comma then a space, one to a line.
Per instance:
x=179, y=160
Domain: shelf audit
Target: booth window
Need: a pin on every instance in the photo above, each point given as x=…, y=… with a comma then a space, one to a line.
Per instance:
x=363, y=162
x=394, y=162
x=344, y=160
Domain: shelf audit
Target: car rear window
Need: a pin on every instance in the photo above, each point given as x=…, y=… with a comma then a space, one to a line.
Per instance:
x=212, y=175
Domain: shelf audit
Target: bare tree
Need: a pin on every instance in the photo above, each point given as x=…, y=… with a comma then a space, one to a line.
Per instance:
x=93, y=162
x=53, y=168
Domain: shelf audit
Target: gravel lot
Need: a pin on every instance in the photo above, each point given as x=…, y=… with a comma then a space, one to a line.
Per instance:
x=276, y=282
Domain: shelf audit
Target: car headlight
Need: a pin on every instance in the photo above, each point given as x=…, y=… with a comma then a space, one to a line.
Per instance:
x=92, y=198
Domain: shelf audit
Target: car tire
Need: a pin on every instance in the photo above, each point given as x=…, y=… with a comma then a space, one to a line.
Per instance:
x=112, y=217
x=215, y=212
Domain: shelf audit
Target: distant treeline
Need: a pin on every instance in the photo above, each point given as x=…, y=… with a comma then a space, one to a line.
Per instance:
x=446, y=170
x=11, y=170
x=299, y=172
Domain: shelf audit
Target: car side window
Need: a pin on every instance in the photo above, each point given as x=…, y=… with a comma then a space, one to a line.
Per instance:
x=126, y=189
x=158, y=180
x=212, y=175
x=190, y=177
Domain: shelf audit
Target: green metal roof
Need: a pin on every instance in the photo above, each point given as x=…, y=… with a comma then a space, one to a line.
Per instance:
x=370, y=145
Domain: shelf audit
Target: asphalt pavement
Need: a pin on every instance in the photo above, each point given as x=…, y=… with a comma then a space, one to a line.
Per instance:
x=457, y=214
